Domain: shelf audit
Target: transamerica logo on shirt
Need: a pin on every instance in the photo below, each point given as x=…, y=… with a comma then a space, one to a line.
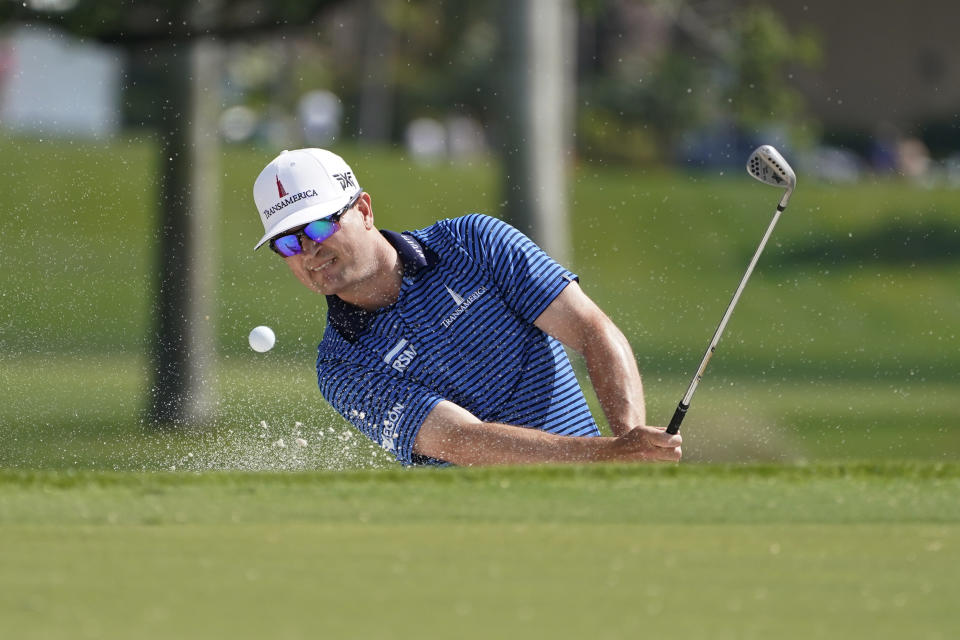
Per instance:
x=462, y=304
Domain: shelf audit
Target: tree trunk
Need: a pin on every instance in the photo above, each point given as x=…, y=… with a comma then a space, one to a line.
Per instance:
x=376, y=89
x=183, y=349
x=536, y=135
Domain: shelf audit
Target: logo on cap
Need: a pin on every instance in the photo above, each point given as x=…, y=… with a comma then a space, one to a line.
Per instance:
x=345, y=179
x=280, y=188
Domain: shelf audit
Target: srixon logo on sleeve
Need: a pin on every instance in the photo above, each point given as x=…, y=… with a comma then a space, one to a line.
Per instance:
x=388, y=435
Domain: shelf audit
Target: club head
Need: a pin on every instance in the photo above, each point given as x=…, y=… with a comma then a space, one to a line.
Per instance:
x=768, y=166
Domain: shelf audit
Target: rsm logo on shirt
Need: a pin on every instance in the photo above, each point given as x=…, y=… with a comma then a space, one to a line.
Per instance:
x=388, y=436
x=401, y=355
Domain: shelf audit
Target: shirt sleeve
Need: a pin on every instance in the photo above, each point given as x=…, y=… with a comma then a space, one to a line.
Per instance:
x=387, y=409
x=528, y=278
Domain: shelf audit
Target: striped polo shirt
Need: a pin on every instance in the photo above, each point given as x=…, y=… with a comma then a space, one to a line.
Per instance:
x=461, y=330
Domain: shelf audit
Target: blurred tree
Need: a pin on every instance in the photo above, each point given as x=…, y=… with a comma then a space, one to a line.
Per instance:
x=404, y=60
x=180, y=38
x=763, y=49
x=653, y=72
x=150, y=23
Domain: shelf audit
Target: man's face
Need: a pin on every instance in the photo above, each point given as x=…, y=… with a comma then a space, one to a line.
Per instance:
x=342, y=262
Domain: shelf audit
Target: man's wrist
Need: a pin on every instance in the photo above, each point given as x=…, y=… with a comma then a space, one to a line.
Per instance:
x=623, y=426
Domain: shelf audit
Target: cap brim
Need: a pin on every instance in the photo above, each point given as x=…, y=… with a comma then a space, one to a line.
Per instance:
x=302, y=217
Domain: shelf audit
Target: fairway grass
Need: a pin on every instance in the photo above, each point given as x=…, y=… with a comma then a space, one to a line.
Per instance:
x=852, y=551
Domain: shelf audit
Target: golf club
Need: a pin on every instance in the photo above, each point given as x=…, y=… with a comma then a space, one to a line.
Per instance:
x=768, y=166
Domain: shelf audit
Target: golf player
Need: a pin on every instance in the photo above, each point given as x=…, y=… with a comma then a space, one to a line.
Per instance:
x=445, y=345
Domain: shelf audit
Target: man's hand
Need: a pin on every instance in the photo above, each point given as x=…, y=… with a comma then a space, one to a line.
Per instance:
x=647, y=443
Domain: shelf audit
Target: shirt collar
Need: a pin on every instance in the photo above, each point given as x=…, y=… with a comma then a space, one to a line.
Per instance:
x=350, y=320
x=413, y=255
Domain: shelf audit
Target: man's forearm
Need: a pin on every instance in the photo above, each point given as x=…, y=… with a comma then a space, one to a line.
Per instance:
x=616, y=379
x=576, y=321
x=487, y=443
x=453, y=434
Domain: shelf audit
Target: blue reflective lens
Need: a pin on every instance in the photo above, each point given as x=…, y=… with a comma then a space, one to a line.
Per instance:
x=320, y=230
x=287, y=245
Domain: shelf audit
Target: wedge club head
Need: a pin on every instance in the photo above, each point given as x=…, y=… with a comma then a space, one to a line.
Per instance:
x=768, y=166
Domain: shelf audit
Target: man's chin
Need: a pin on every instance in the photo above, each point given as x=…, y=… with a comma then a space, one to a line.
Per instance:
x=326, y=287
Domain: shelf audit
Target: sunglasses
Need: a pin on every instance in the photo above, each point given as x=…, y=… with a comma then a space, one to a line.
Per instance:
x=289, y=244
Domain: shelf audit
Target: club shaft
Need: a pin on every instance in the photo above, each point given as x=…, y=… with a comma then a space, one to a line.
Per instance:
x=681, y=411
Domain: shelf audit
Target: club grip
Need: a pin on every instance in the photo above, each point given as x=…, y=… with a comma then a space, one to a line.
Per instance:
x=674, y=426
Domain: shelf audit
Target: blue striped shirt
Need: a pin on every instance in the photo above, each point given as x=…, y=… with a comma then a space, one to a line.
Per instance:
x=461, y=330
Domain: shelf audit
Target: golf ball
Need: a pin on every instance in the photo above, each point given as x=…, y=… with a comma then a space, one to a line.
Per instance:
x=262, y=339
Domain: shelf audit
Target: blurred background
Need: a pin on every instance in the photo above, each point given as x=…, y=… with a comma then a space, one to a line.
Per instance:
x=613, y=132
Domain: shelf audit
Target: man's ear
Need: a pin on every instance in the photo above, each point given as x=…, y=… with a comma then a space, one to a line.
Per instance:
x=365, y=207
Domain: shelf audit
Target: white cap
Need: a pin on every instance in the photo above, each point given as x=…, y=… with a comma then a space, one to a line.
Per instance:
x=301, y=186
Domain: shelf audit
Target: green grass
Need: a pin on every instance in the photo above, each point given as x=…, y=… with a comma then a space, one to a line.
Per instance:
x=854, y=550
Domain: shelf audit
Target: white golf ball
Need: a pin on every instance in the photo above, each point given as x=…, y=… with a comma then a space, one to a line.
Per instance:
x=262, y=339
